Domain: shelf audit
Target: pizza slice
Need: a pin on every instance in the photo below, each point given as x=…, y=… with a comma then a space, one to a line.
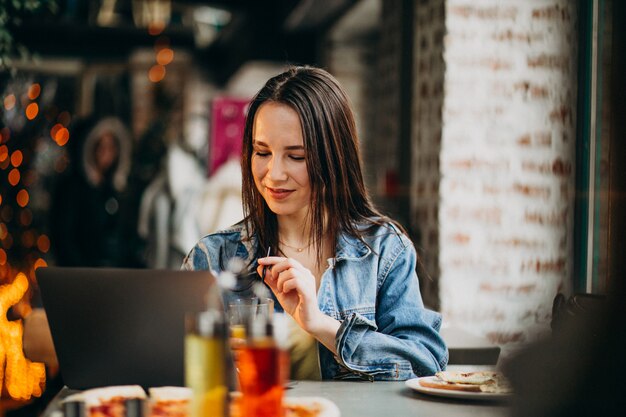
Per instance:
x=170, y=401
x=111, y=401
x=473, y=378
x=483, y=381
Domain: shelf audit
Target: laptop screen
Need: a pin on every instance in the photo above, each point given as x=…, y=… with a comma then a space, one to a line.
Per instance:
x=121, y=326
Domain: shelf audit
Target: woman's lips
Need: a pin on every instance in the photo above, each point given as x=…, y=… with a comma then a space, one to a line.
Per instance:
x=278, y=193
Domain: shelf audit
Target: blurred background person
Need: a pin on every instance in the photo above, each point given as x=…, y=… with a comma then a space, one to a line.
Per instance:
x=92, y=211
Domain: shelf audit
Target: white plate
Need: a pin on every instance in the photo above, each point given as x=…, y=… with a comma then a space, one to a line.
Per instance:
x=415, y=384
x=326, y=407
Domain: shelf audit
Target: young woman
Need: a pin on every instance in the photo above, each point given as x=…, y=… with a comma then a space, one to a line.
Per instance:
x=343, y=272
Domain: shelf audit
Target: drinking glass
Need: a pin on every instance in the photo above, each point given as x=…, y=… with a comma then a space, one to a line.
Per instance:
x=260, y=370
x=242, y=311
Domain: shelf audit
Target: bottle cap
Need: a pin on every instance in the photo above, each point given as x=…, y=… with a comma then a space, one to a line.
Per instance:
x=74, y=409
x=134, y=407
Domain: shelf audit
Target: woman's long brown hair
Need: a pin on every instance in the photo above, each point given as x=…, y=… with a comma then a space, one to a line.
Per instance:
x=339, y=199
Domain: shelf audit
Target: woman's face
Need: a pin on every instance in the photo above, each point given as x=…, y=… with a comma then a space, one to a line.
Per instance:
x=107, y=152
x=278, y=160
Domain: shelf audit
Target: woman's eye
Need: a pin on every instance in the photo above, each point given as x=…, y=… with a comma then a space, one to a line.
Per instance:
x=257, y=153
x=297, y=157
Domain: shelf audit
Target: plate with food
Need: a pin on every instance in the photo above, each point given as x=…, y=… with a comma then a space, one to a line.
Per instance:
x=466, y=385
x=294, y=406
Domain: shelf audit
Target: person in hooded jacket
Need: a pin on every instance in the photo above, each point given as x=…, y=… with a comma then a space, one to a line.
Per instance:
x=91, y=209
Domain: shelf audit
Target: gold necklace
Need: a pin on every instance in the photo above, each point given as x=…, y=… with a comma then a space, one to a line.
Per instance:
x=299, y=250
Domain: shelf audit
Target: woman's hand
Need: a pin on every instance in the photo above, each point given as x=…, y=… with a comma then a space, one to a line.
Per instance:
x=295, y=289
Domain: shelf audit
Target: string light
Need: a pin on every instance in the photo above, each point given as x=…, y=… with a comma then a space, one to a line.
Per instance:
x=39, y=263
x=62, y=136
x=165, y=56
x=156, y=73
x=16, y=158
x=32, y=110
x=9, y=102
x=43, y=243
x=33, y=91
x=22, y=198
x=14, y=177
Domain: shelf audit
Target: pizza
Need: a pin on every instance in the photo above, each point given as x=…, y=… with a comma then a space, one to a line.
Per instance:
x=170, y=401
x=110, y=401
x=310, y=407
x=294, y=406
x=176, y=402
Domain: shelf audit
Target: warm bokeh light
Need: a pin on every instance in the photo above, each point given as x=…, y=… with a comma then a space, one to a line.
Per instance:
x=59, y=134
x=43, y=243
x=22, y=378
x=156, y=73
x=4, y=163
x=3, y=231
x=54, y=129
x=3, y=257
x=9, y=102
x=22, y=198
x=31, y=111
x=6, y=134
x=64, y=118
x=62, y=136
x=33, y=91
x=165, y=56
x=6, y=213
x=0, y=199
x=28, y=239
x=39, y=263
x=26, y=217
x=7, y=242
x=4, y=153
x=14, y=177
x=16, y=158
x=155, y=28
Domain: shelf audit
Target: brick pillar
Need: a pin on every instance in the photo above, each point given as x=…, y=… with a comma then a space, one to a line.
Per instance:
x=506, y=161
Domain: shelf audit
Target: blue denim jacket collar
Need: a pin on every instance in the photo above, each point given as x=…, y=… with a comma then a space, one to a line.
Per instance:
x=351, y=248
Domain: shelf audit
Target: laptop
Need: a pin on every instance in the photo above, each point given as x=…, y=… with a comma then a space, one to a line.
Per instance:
x=121, y=326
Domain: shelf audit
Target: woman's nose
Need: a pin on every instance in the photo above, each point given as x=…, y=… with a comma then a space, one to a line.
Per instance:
x=276, y=169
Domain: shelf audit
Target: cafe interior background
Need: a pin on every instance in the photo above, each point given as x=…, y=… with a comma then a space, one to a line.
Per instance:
x=489, y=129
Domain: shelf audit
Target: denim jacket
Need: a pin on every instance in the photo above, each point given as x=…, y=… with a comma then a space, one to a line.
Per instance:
x=385, y=333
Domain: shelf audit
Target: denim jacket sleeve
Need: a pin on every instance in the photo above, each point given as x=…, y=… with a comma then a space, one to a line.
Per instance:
x=403, y=341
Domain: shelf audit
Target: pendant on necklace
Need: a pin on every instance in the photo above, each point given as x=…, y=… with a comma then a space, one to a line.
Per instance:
x=299, y=250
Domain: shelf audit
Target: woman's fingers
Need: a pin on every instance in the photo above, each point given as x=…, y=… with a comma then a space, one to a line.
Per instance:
x=274, y=265
x=283, y=277
x=289, y=285
x=271, y=260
